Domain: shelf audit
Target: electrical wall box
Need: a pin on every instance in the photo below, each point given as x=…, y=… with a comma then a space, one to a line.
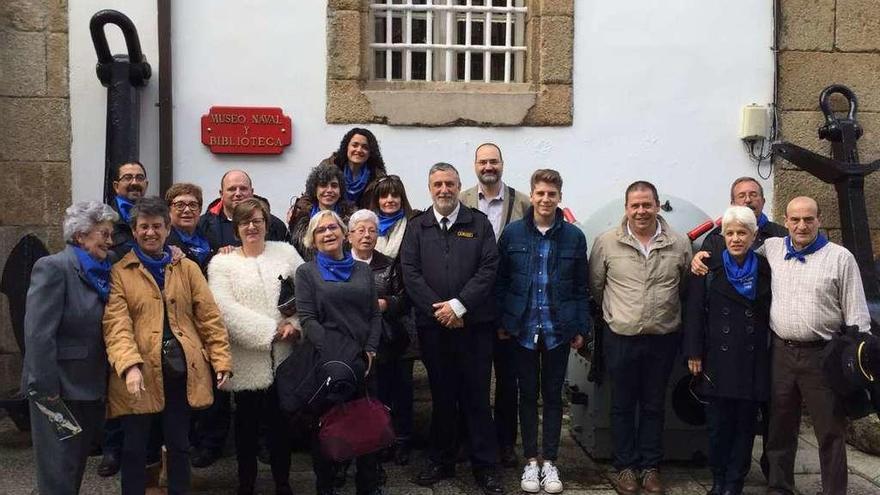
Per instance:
x=755, y=122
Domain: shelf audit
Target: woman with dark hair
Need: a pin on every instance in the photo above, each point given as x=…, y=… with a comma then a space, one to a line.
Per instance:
x=390, y=204
x=324, y=190
x=165, y=342
x=361, y=162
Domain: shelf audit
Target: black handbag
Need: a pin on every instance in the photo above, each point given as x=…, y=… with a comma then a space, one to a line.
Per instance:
x=173, y=358
x=287, y=297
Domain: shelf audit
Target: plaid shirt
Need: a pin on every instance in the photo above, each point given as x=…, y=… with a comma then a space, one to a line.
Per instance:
x=539, y=324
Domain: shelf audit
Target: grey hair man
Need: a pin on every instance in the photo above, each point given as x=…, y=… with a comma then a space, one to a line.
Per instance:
x=449, y=260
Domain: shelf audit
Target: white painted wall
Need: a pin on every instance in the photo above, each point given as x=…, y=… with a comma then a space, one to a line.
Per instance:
x=658, y=89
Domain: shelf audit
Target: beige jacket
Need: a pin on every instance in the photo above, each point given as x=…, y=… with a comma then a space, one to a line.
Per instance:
x=471, y=197
x=639, y=295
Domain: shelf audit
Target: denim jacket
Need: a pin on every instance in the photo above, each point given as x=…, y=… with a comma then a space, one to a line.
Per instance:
x=567, y=268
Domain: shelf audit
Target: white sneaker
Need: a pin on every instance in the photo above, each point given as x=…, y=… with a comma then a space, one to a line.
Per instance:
x=550, y=478
x=531, y=482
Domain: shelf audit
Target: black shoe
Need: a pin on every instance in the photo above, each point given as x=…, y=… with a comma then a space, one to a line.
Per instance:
x=716, y=488
x=331, y=491
x=109, y=464
x=401, y=454
x=507, y=457
x=341, y=474
x=489, y=482
x=382, y=475
x=433, y=472
x=263, y=455
x=283, y=489
x=245, y=490
x=203, y=458
x=377, y=491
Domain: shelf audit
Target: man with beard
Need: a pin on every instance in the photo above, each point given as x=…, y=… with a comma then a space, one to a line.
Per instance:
x=449, y=260
x=216, y=222
x=130, y=185
x=747, y=192
x=503, y=205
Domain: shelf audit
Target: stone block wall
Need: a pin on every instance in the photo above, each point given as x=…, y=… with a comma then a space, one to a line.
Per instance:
x=825, y=42
x=34, y=140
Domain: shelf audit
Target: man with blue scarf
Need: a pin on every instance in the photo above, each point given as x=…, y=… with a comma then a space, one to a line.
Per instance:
x=130, y=185
x=816, y=289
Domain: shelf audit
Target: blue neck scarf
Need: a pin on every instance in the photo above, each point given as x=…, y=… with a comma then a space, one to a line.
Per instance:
x=335, y=270
x=355, y=186
x=156, y=267
x=387, y=222
x=316, y=209
x=743, y=278
x=97, y=273
x=195, y=244
x=762, y=220
x=124, y=207
x=801, y=255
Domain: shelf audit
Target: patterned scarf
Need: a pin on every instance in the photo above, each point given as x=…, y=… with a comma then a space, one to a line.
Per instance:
x=97, y=273
x=743, y=278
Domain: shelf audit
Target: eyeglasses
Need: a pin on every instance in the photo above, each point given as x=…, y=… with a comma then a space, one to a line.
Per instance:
x=256, y=222
x=133, y=178
x=183, y=205
x=327, y=228
x=364, y=231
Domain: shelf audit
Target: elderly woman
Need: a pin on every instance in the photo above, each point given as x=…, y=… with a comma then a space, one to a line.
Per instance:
x=185, y=205
x=323, y=192
x=393, y=210
x=360, y=161
x=65, y=358
x=164, y=335
x=338, y=306
x=726, y=342
x=247, y=285
x=394, y=370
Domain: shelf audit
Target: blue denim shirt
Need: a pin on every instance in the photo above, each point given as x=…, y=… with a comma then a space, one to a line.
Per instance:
x=558, y=298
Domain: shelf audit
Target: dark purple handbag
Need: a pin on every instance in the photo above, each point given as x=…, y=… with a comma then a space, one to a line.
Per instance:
x=352, y=429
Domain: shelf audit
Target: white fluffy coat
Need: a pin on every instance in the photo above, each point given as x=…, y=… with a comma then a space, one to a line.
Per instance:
x=246, y=291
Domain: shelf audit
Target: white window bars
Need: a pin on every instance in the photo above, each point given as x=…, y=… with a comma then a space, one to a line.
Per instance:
x=477, y=40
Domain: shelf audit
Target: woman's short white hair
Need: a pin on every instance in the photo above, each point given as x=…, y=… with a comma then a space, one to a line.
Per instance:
x=309, y=238
x=362, y=216
x=741, y=215
x=81, y=217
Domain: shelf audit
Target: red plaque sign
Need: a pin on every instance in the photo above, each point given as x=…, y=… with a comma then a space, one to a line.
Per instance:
x=246, y=130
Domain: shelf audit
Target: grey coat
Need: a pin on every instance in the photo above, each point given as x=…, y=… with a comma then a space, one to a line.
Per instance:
x=64, y=340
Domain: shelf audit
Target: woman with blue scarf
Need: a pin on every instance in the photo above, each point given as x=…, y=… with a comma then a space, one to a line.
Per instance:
x=325, y=191
x=185, y=205
x=392, y=207
x=65, y=360
x=337, y=303
x=360, y=160
x=726, y=329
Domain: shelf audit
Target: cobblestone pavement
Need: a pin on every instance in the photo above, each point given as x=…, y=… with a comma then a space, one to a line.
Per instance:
x=580, y=474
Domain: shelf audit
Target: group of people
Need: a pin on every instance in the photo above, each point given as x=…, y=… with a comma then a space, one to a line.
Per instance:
x=180, y=309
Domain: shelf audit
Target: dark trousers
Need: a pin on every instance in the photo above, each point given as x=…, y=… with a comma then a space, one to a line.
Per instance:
x=459, y=365
x=250, y=407
x=61, y=463
x=732, y=424
x=797, y=375
x=175, y=430
x=541, y=370
x=395, y=387
x=211, y=425
x=638, y=369
x=113, y=438
x=505, y=391
x=366, y=478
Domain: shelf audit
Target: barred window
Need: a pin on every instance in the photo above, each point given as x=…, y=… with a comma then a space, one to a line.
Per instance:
x=448, y=40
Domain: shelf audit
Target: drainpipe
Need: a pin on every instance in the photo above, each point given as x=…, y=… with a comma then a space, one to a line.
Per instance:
x=166, y=108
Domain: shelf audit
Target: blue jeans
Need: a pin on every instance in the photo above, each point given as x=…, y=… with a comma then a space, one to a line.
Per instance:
x=541, y=371
x=639, y=367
